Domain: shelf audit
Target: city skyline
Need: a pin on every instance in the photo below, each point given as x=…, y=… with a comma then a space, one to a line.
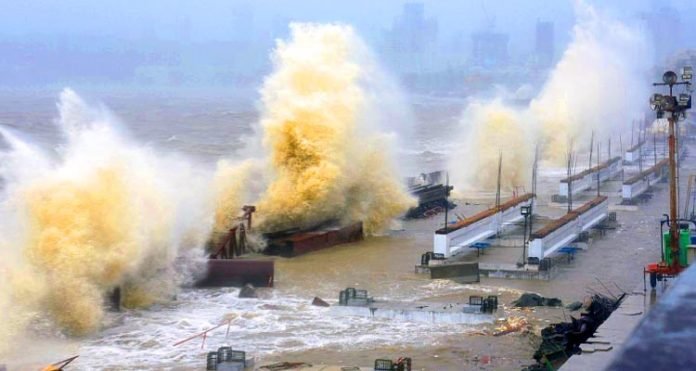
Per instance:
x=230, y=42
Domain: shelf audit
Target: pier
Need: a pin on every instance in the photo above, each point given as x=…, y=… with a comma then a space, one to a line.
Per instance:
x=636, y=186
x=478, y=310
x=568, y=228
x=634, y=153
x=452, y=239
x=587, y=179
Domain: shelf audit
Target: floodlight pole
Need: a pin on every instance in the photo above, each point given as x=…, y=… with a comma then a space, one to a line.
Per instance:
x=673, y=116
x=673, y=226
x=526, y=212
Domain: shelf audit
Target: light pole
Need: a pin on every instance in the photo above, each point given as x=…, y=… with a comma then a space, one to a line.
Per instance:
x=526, y=212
x=673, y=108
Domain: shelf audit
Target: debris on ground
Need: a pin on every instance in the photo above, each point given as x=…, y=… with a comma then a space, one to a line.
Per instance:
x=284, y=366
x=248, y=292
x=574, y=306
x=562, y=340
x=319, y=302
x=533, y=300
x=510, y=325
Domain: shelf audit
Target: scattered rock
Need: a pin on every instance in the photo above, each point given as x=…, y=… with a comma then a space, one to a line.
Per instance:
x=574, y=306
x=319, y=302
x=248, y=291
x=534, y=300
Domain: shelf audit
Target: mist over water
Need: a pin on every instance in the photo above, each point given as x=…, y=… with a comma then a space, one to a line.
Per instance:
x=107, y=212
x=328, y=159
x=596, y=86
x=326, y=141
x=491, y=130
x=599, y=80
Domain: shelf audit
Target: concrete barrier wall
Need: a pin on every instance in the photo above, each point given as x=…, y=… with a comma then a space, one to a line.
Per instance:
x=640, y=183
x=593, y=216
x=449, y=244
x=512, y=215
x=631, y=191
x=587, y=179
x=578, y=185
x=609, y=172
x=466, y=272
x=461, y=237
x=633, y=154
x=543, y=246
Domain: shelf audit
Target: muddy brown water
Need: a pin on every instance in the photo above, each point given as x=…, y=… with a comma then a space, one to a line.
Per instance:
x=282, y=326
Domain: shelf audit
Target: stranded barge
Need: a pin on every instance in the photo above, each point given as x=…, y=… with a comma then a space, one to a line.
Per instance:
x=231, y=262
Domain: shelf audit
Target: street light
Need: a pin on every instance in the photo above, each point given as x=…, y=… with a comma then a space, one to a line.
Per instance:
x=684, y=100
x=655, y=101
x=674, y=108
x=669, y=78
x=687, y=73
x=526, y=212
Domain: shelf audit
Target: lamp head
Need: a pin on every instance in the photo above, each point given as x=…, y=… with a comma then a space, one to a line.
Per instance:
x=669, y=78
x=656, y=101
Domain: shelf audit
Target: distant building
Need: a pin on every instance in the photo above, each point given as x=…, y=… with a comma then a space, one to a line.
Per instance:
x=544, y=44
x=412, y=40
x=489, y=49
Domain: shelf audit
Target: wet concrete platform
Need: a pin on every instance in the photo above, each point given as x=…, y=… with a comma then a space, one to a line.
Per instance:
x=665, y=338
x=463, y=271
x=310, y=367
x=512, y=271
x=611, y=336
x=502, y=259
x=428, y=312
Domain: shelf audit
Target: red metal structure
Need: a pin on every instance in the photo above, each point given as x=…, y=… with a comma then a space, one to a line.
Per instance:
x=204, y=334
x=232, y=246
x=60, y=365
x=302, y=242
x=228, y=267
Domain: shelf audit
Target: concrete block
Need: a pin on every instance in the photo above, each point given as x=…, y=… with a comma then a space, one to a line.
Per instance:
x=468, y=271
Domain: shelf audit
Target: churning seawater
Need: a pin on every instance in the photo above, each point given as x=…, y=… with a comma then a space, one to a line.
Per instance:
x=281, y=324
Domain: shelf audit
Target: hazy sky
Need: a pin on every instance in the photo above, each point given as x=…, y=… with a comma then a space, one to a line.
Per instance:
x=162, y=29
x=213, y=19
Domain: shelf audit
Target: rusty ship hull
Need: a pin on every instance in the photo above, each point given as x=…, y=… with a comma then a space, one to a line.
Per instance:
x=301, y=242
x=238, y=272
